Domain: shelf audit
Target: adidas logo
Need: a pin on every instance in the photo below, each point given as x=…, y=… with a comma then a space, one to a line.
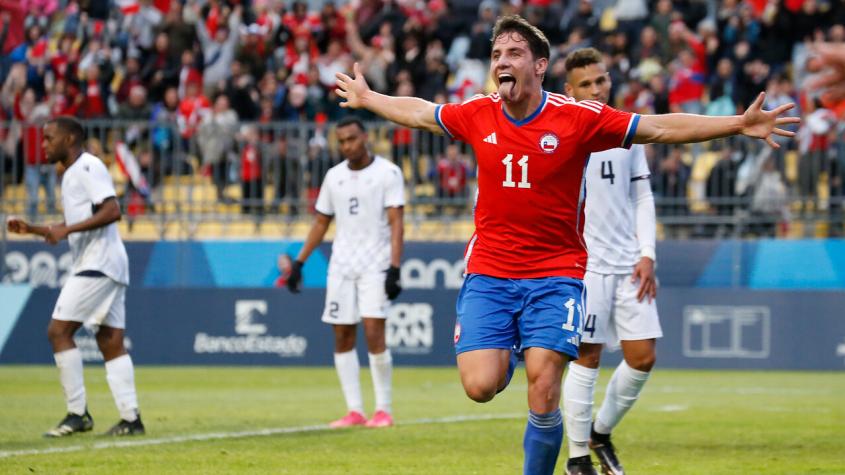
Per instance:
x=491, y=139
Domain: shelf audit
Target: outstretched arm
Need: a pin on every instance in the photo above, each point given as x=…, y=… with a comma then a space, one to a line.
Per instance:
x=688, y=128
x=410, y=112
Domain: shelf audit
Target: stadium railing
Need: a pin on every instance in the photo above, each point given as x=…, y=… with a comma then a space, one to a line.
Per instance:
x=197, y=180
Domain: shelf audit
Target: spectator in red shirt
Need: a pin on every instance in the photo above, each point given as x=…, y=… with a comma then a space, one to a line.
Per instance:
x=252, y=182
x=688, y=71
x=191, y=110
x=38, y=172
x=188, y=72
x=452, y=172
x=64, y=61
x=94, y=98
x=13, y=14
x=61, y=99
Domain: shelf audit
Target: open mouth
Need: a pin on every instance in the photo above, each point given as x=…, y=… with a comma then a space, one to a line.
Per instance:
x=506, y=78
x=506, y=85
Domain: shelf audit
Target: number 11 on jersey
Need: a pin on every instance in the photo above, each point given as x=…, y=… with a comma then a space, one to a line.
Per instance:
x=523, y=165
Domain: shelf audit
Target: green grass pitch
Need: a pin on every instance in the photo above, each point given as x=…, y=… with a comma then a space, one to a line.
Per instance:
x=687, y=422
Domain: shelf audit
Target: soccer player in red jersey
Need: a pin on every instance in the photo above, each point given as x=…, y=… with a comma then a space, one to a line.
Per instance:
x=526, y=260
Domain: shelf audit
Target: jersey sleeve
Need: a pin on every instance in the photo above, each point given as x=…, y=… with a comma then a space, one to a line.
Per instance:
x=454, y=119
x=609, y=128
x=394, y=193
x=324, y=199
x=97, y=182
x=639, y=164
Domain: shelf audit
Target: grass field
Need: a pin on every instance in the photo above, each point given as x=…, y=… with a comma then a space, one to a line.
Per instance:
x=687, y=422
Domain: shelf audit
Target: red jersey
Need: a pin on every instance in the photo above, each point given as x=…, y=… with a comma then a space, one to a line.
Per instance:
x=250, y=163
x=529, y=215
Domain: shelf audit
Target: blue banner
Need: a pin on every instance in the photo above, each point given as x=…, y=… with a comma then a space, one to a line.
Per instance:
x=703, y=328
x=219, y=302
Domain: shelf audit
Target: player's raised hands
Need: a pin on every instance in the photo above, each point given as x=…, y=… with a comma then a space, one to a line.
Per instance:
x=828, y=59
x=352, y=88
x=761, y=124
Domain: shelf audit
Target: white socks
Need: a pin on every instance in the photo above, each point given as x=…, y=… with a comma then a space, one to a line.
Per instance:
x=622, y=392
x=347, y=370
x=121, y=377
x=69, y=363
x=381, y=368
x=119, y=373
x=579, y=389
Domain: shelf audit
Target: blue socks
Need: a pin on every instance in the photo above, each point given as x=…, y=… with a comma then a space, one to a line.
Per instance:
x=543, y=436
x=511, y=367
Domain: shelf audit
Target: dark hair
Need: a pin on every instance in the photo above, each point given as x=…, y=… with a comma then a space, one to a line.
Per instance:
x=581, y=58
x=351, y=120
x=537, y=41
x=70, y=126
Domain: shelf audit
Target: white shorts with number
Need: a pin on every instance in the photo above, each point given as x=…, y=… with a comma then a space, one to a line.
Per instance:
x=614, y=313
x=93, y=301
x=350, y=299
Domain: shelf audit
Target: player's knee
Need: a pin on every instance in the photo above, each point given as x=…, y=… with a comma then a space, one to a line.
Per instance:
x=545, y=387
x=58, y=334
x=642, y=362
x=344, y=341
x=480, y=391
x=589, y=356
x=110, y=344
x=376, y=346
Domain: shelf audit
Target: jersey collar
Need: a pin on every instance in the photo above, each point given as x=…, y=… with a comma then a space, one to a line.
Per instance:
x=531, y=117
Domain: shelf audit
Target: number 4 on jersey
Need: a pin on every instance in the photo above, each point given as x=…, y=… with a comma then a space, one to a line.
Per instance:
x=607, y=174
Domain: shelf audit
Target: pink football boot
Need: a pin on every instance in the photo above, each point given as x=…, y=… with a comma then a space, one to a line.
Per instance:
x=380, y=419
x=353, y=418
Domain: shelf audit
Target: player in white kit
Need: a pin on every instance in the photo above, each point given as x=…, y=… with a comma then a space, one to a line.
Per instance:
x=365, y=194
x=620, y=237
x=94, y=294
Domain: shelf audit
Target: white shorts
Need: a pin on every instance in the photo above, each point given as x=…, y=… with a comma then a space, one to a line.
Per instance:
x=93, y=301
x=349, y=299
x=614, y=313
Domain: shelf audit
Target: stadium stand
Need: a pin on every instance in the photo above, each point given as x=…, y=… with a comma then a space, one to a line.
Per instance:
x=216, y=116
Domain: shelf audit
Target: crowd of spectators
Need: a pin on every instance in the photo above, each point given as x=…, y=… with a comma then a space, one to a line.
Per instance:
x=198, y=70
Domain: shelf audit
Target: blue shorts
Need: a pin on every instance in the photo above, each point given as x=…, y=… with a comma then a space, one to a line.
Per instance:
x=520, y=313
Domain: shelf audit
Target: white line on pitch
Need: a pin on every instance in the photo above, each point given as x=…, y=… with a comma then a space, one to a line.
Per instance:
x=238, y=435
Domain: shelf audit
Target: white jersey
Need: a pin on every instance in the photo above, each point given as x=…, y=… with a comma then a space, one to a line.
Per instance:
x=86, y=184
x=610, y=227
x=358, y=200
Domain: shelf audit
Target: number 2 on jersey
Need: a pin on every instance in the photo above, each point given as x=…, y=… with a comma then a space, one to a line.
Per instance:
x=523, y=165
x=353, y=205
